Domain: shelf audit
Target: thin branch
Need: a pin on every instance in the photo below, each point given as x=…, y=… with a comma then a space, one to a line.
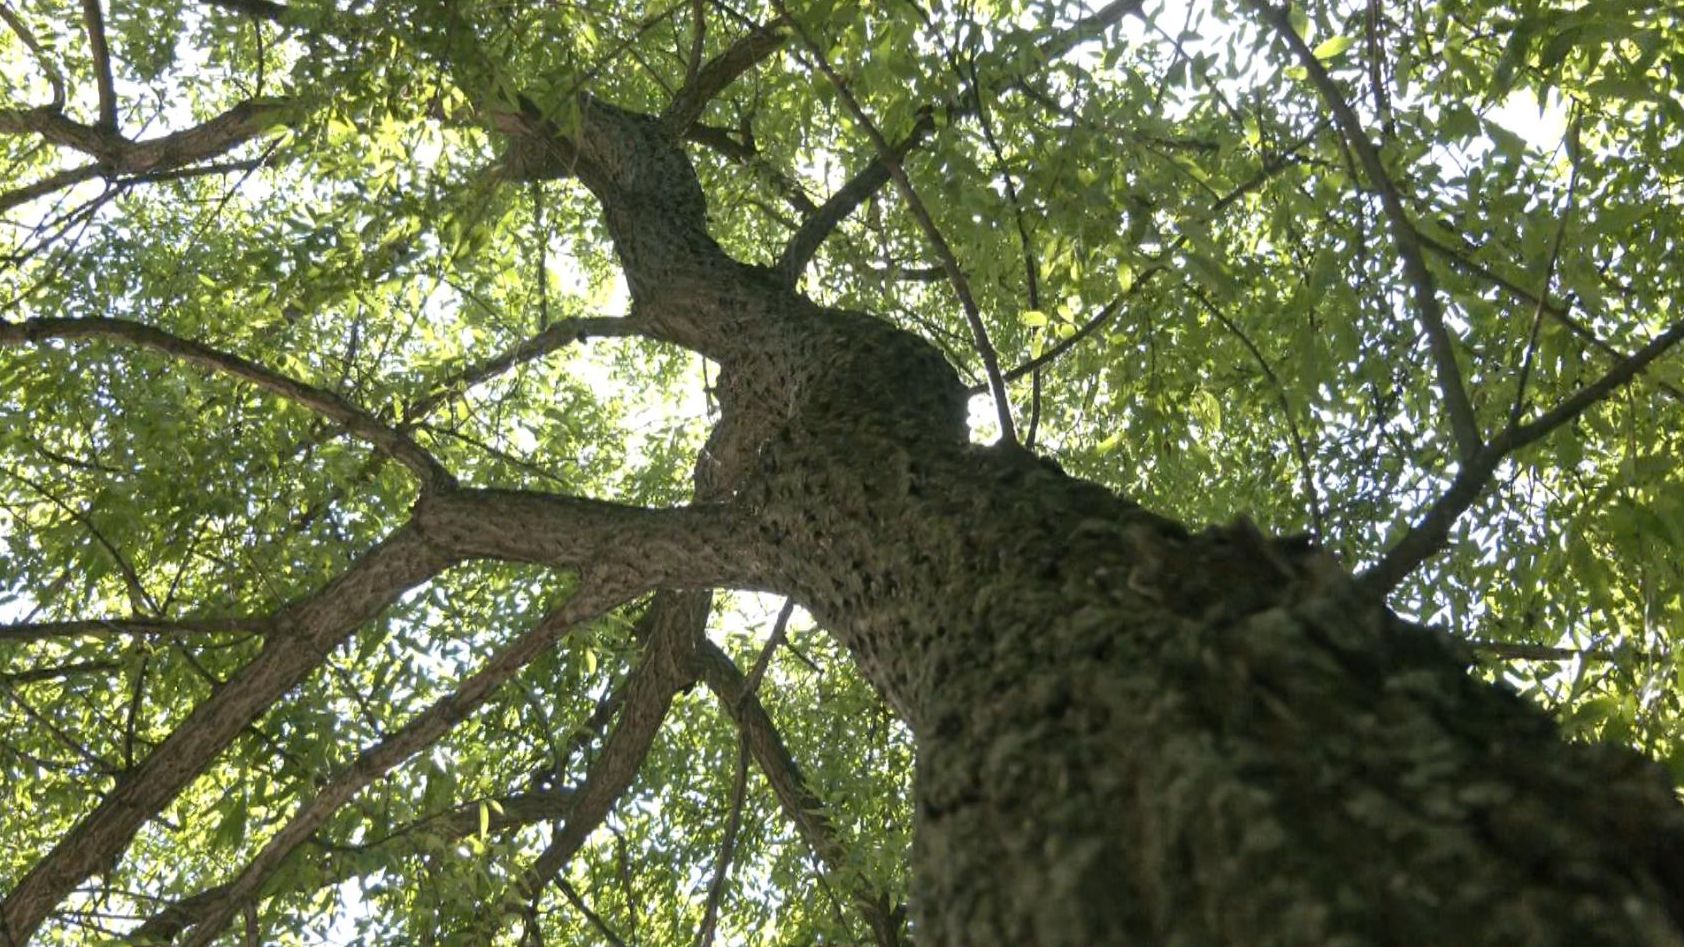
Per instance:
x=1299, y=450
x=36, y=675
x=1523, y=651
x=140, y=600
x=727, y=848
x=1031, y=270
x=801, y=806
x=780, y=630
x=1270, y=168
x=556, y=336
x=705, y=84
x=387, y=440
x=54, y=78
x=1519, y=406
x=1518, y=436
x=698, y=39
x=422, y=731
x=1464, y=426
x=131, y=628
x=1560, y=312
x=826, y=218
x=595, y=919
x=1089, y=27
x=944, y=252
x=746, y=154
x=64, y=739
x=1431, y=533
x=94, y=21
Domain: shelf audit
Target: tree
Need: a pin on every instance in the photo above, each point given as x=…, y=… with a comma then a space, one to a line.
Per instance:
x=362, y=559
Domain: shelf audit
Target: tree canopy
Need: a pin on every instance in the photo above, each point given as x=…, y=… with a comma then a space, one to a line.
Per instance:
x=1401, y=278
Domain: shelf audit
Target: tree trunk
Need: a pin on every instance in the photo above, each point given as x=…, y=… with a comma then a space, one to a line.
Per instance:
x=1131, y=734
x=1128, y=733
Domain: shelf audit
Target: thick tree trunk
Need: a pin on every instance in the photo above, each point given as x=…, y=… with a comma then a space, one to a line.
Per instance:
x=1128, y=733
x=1131, y=734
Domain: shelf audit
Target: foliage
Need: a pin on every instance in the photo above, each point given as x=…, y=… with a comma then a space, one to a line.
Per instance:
x=1164, y=215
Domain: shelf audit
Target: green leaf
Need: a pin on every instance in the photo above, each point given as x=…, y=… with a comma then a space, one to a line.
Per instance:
x=1333, y=46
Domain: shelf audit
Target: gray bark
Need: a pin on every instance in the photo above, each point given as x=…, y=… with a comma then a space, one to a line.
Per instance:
x=1128, y=732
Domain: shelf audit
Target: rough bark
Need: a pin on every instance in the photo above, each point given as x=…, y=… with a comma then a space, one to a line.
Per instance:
x=1129, y=732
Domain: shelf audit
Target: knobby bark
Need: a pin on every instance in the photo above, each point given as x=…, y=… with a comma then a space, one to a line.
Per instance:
x=1128, y=732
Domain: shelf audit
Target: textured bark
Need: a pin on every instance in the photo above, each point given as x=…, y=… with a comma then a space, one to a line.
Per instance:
x=1128, y=732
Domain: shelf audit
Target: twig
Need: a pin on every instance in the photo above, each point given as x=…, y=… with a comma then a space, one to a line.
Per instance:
x=54, y=79
x=1306, y=474
x=727, y=847
x=1550, y=263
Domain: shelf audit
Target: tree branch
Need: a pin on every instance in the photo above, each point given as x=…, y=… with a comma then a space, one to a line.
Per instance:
x=94, y=21
x=669, y=629
x=746, y=154
x=609, y=544
x=132, y=628
x=1464, y=426
x=944, y=252
x=36, y=675
x=260, y=9
x=306, y=631
x=1306, y=472
x=54, y=79
x=1560, y=312
x=388, y=440
x=1431, y=533
x=422, y=731
x=1270, y=168
x=727, y=848
x=824, y=220
x=507, y=813
x=556, y=336
x=719, y=72
x=121, y=155
x=800, y=805
x=1566, y=213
